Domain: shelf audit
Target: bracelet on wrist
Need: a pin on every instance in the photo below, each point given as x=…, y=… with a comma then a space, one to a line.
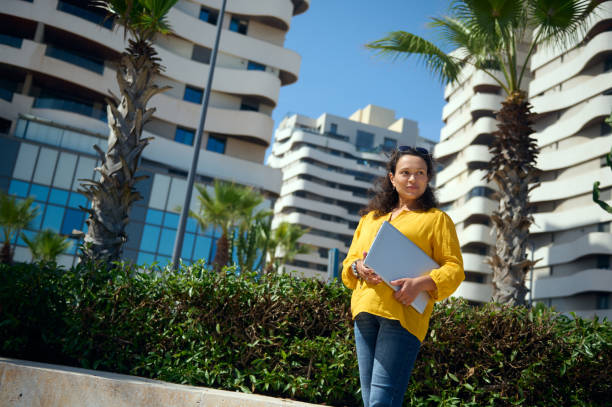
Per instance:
x=355, y=272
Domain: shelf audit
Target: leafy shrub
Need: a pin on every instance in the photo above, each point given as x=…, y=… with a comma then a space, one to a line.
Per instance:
x=288, y=337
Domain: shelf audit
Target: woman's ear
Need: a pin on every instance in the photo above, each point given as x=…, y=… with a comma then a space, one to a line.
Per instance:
x=391, y=179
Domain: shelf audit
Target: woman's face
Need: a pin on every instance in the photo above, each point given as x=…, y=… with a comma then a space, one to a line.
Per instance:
x=410, y=178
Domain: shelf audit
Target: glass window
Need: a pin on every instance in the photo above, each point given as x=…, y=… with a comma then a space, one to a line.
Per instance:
x=249, y=105
x=202, y=248
x=166, y=241
x=333, y=128
x=150, y=235
x=208, y=15
x=145, y=258
x=365, y=140
x=39, y=192
x=389, y=144
x=603, y=262
x=603, y=301
x=45, y=166
x=24, y=165
x=72, y=220
x=187, y=246
x=193, y=94
x=65, y=169
x=154, y=217
x=201, y=54
x=35, y=224
x=216, y=144
x=192, y=225
x=53, y=218
x=184, y=135
x=76, y=200
x=171, y=220
x=238, y=25
x=19, y=188
x=254, y=66
x=58, y=196
x=162, y=260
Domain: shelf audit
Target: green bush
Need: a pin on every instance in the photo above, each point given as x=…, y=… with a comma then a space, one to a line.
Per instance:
x=289, y=337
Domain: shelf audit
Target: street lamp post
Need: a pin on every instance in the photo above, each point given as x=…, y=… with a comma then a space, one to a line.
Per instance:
x=180, y=233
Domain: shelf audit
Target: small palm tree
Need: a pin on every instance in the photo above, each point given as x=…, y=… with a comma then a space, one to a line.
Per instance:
x=251, y=242
x=47, y=245
x=284, y=245
x=112, y=196
x=15, y=215
x=231, y=206
x=488, y=35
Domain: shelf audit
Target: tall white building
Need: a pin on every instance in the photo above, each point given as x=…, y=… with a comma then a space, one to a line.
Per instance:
x=328, y=166
x=56, y=65
x=571, y=90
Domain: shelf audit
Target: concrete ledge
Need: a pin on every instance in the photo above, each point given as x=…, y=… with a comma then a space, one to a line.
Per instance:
x=31, y=384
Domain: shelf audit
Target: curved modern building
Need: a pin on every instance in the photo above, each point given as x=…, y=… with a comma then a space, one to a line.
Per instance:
x=57, y=62
x=328, y=166
x=571, y=90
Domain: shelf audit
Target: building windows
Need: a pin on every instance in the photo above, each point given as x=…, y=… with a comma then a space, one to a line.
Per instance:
x=193, y=94
x=238, y=25
x=390, y=144
x=249, y=105
x=605, y=129
x=603, y=262
x=184, y=135
x=333, y=128
x=603, y=301
x=365, y=141
x=254, y=66
x=216, y=144
x=208, y=15
x=201, y=54
x=608, y=64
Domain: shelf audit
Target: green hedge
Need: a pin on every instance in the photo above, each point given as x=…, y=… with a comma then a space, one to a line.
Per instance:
x=289, y=337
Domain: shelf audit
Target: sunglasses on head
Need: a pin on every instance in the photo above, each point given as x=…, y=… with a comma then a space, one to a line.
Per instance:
x=410, y=149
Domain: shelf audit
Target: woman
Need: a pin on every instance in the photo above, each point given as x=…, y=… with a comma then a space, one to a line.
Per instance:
x=388, y=331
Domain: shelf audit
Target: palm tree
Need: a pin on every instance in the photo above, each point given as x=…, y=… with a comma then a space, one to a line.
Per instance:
x=489, y=35
x=230, y=207
x=251, y=242
x=47, y=245
x=14, y=216
x=284, y=246
x=112, y=196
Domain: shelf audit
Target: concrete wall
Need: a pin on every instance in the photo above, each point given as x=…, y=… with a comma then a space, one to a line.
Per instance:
x=30, y=384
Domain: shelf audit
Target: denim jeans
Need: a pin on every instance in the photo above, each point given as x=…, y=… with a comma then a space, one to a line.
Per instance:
x=386, y=353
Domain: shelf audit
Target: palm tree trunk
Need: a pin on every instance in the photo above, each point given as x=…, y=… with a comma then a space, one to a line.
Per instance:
x=512, y=168
x=222, y=254
x=6, y=254
x=112, y=196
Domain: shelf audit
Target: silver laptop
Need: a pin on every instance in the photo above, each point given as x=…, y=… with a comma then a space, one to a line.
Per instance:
x=393, y=256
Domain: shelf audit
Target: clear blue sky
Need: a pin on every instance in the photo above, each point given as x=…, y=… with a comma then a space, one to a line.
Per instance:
x=339, y=75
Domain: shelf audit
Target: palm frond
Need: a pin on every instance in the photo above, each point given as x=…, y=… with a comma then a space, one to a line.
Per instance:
x=561, y=23
x=404, y=44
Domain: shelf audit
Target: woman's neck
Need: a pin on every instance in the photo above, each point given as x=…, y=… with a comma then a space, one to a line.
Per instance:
x=407, y=205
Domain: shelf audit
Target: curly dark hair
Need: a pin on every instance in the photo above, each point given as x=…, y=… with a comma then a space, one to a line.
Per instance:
x=385, y=197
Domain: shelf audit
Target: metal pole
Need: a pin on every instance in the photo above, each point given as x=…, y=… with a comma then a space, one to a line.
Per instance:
x=180, y=233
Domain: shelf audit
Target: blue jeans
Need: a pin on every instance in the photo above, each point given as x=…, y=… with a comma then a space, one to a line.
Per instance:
x=386, y=353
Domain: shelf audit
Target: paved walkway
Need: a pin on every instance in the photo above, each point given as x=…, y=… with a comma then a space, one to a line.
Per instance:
x=31, y=384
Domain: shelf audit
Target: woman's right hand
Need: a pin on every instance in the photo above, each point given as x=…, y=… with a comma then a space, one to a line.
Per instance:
x=366, y=273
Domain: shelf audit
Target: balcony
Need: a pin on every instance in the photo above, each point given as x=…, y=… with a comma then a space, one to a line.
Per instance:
x=75, y=58
x=85, y=13
x=74, y=106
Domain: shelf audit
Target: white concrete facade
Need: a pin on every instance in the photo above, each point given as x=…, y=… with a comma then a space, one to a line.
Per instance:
x=571, y=90
x=57, y=62
x=328, y=166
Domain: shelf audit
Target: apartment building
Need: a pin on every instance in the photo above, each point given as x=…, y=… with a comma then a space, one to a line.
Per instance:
x=571, y=91
x=328, y=165
x=56, y=65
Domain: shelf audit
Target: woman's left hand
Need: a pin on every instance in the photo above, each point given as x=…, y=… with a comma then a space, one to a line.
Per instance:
x=411, y=287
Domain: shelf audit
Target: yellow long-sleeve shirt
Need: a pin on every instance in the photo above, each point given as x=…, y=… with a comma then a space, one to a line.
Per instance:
x=434, y=232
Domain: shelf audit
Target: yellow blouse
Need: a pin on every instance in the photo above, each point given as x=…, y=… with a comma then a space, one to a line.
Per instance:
x=434, y=232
